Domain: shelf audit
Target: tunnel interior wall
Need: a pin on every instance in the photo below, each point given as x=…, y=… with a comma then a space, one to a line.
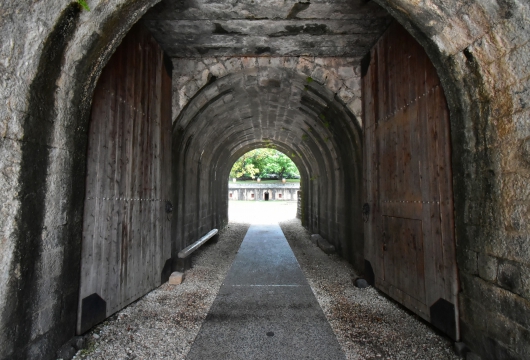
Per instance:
x=271, y=108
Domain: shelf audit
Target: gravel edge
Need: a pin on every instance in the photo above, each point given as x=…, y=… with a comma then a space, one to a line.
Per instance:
x=368, y=325
x=164, y=323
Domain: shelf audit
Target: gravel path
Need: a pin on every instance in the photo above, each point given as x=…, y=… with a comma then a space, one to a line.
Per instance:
x=164, y=323
x=367, y=324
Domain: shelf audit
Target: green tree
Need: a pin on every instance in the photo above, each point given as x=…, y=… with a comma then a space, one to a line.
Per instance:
x=244, y=167
x=281, y=165
x=264, y=162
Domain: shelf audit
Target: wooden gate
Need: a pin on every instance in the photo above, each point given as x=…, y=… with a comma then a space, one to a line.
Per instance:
x=409, y=227
x=126, y=234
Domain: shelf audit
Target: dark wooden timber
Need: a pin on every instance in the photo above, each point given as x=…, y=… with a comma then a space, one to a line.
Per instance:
x=126, y=235
x=409, y=232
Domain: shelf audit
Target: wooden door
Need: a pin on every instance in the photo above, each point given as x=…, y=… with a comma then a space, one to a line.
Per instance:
x=409, y=229
x=126, y=230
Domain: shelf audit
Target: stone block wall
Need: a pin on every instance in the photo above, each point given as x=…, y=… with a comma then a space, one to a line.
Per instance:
x=265, y=106
x=256, y=192
x=51, y=56
x=340, y=75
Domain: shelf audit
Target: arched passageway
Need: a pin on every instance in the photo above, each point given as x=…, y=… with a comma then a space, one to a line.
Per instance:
x=478, y=48
x=269, y=107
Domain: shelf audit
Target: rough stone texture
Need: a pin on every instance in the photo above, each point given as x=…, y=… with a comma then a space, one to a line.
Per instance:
x=341, y=75
x=325, y=246
x=201, y=28
x=176, y=278
x=361, y=283
x=43, y=142
x=367, y=324
x=487, y=267
x=315, y=238
x=473, y=356
x=480, y=48
x=66, y=352
x=461, y=349
x=269, y=107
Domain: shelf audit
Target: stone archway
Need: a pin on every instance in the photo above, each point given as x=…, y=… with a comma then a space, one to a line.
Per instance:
x=479, y=50
x=270, y=107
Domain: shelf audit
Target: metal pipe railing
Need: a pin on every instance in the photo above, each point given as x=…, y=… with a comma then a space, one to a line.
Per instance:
x=184, y=253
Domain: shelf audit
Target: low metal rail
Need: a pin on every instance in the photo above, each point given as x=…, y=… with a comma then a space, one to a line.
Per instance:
x=184, y=253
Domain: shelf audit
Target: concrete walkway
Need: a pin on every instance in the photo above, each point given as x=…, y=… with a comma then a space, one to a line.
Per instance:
x=265, y=308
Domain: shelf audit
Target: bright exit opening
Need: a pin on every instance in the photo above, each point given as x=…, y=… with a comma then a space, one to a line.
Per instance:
x=264, y=188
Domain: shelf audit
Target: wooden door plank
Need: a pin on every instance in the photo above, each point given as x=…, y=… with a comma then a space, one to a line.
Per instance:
x=119, y=262
x=429, y=246
x=407, y=158
x=446, y=198
x=436, y=238
x=377, y=227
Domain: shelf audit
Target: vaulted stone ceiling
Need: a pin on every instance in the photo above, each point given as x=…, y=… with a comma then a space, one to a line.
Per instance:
x=205, y=28
x=271, y=107
x=266, y=73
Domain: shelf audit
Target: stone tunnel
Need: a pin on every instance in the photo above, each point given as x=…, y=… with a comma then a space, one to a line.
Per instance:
x=121, y=120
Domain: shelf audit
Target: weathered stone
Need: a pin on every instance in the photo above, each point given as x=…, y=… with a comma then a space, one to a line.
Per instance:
x=186, y=90
x=234, y=64
x=522, y=341
x=78, y=342
x=473, y=356
x=215, y=33
x=345, y=95
x=480, y=49
x=468, y=259
x=263, y=61
x=249, y=62
x=361, y=283
x=320, y=74
x=509, y=276
x=66, y=352
x=502, y=329
x=325, y=246
x=346, y=72
x=461, y=349
x=190, y=89
x=314, y=238
x=202, y=77
x=353, y=83
x=487, y=267
x=176, y=278
x=305, y=65
x=356, y=106
x=525, y=151
x=218, y=70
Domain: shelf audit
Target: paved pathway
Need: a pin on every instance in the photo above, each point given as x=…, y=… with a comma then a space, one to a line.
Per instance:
x=265, y=308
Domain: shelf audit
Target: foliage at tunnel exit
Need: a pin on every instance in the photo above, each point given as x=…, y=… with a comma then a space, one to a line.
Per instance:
x=265, y=163
x=83, y=4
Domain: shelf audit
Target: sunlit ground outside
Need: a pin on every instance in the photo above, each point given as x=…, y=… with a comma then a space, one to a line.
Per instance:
x=261, y=212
